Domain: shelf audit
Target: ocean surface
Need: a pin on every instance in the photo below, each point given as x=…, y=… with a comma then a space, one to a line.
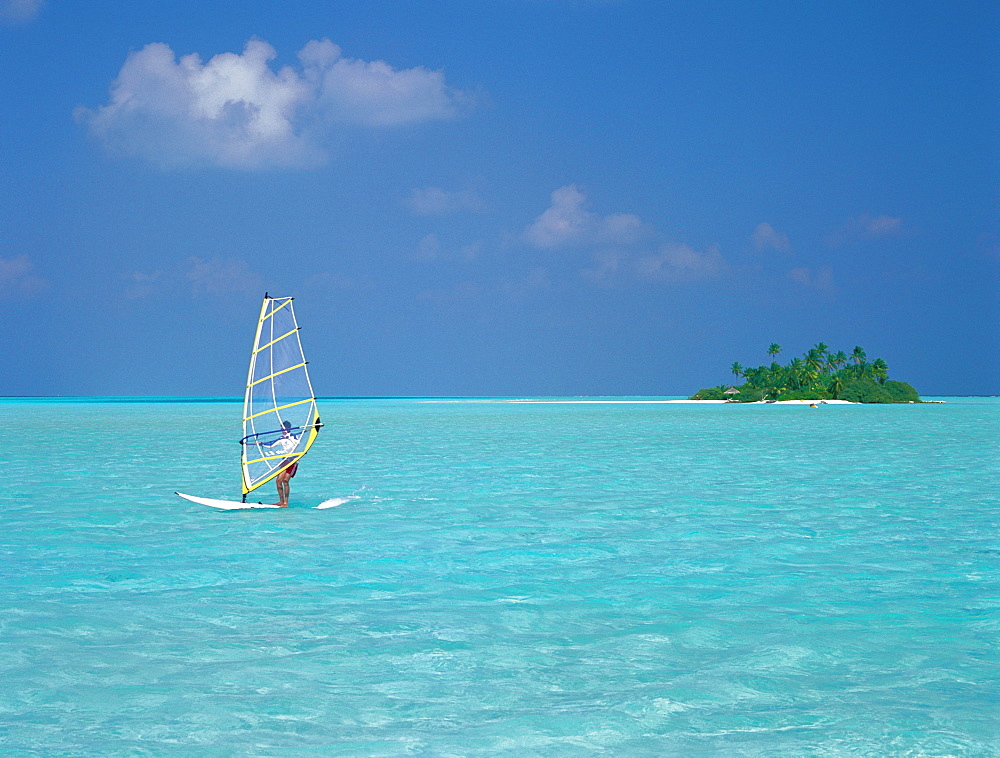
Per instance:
x=501, y=578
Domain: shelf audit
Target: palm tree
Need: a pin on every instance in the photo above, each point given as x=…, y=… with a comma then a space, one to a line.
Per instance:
x=796, y=371
x=836, y=385
x=880, y=370
x=839, y=358
x=823, y=350
x=814, y=359
x=858, y=356
x=774, y=348
x=772, y=376
x=736, y=368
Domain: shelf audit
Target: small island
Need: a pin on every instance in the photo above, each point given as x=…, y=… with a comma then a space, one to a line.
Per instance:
x=818, y=375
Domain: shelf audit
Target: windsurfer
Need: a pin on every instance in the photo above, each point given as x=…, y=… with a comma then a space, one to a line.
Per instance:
x=286, y=443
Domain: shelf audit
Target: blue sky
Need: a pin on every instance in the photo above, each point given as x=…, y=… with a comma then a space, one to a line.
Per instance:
x=563, y=197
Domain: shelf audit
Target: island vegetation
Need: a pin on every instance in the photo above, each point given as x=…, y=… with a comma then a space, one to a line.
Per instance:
x=820, y=374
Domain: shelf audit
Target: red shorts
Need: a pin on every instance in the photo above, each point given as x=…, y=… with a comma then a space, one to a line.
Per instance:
x=292, y=469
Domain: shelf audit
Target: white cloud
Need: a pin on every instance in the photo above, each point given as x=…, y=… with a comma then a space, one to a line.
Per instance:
x=235, y=111
x=568, y=222
x=434, y=201
x=672, y=262
x=622, y=245
x=677, y=262
x=766, y=237
x=20, y=10
x=372, y=93
x=881, y=226
x=866, y=227
x=18, y=278
x=223, y=277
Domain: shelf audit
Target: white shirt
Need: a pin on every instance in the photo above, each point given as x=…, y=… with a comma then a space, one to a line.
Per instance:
x=285, y=444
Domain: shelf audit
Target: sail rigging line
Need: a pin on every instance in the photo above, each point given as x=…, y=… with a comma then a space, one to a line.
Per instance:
x=286, y=334
x=279, y=373
x=288, y=301
x=277, y=408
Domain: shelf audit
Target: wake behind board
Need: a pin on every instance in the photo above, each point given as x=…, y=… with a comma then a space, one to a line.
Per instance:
x=334, y=502
x=226, y=505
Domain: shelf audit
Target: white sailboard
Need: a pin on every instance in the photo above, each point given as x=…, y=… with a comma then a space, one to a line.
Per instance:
x=280, y=418
x=226, y=505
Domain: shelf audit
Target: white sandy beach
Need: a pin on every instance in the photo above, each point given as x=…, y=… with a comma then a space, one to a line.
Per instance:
x=773, y=402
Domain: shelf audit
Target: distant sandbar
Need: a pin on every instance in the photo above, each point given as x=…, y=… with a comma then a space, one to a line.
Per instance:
x=687, y=402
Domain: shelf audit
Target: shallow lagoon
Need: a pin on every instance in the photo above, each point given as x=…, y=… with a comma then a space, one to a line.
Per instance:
x=505, y=578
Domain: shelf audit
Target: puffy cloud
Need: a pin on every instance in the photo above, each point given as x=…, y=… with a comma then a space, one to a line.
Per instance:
x=223, y=277
x=766, y=237
x=563, y=222
x=622, y=245
x=20, y=10
x=235, y=111
x=373, y=93
x=568, y=222
x=18, y=278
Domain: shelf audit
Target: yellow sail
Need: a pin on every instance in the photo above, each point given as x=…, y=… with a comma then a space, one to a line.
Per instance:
x=280, y=418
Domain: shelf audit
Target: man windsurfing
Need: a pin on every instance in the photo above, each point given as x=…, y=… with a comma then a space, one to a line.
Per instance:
x=286, y=443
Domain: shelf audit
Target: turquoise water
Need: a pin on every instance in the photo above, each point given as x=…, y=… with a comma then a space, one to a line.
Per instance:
x=550, y=579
